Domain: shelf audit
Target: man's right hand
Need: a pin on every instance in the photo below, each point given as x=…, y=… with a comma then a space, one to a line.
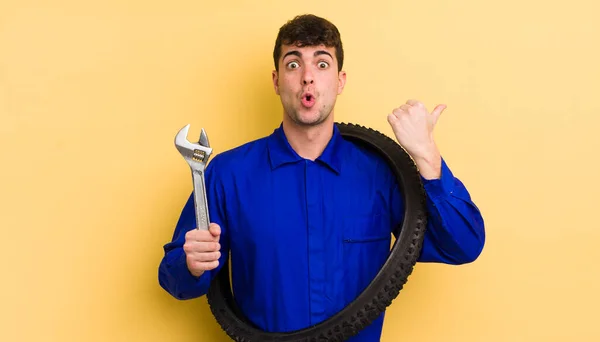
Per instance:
x=202, y=249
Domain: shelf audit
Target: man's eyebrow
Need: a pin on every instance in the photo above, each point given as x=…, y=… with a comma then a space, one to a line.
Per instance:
x=322, y=52
x=294, y=52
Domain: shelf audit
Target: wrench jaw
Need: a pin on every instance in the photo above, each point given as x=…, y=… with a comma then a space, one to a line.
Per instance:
x=204, y=139
x=196, y=154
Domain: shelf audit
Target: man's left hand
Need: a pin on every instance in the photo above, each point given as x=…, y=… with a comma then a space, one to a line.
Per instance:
x=413, y=127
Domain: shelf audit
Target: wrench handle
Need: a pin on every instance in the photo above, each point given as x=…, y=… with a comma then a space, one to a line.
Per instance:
x=201, y=204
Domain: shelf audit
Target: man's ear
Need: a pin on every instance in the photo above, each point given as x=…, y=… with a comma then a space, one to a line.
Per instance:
x=341, y=81
x=276, y=81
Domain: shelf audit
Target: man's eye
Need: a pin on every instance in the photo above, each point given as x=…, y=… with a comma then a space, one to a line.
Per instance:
x=323, y=65
x=292, y=65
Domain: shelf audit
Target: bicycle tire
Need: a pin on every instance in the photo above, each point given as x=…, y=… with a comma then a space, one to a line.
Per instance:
x=384, y=287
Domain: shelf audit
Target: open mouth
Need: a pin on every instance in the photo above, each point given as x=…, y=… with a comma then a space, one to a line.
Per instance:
x=308, y=100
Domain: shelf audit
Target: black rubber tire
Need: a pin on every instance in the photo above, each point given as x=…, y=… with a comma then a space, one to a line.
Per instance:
x=386, y=285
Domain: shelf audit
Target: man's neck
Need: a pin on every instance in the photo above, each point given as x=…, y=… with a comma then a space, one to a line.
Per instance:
x=308, y=141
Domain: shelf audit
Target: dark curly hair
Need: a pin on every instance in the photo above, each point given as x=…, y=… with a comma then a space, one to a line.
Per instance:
x=309, y=30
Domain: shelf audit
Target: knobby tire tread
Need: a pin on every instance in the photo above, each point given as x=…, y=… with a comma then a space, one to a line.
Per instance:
x=386, y=285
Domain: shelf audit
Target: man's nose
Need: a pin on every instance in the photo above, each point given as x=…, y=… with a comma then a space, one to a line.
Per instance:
x=307, y=78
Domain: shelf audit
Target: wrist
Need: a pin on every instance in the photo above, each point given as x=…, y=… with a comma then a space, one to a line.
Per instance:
x=430, y=164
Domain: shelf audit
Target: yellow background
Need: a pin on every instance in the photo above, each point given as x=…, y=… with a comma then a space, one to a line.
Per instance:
x=92, y=94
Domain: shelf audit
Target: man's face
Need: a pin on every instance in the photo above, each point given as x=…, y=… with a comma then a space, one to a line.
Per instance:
x=308, y=83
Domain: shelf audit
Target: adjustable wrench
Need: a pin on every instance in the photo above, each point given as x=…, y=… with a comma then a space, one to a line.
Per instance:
x=196, y=155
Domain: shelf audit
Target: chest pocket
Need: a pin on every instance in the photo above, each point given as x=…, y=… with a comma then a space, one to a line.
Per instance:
x=366, y=228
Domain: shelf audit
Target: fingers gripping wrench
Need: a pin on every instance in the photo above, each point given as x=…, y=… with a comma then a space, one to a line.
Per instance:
x=196, y=154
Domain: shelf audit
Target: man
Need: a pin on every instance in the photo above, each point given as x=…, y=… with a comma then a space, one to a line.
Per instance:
x=306, y=214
